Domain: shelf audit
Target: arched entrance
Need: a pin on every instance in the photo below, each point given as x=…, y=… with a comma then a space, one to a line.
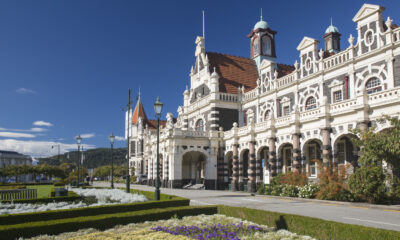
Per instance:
x=243, y=170
x=285, y=162
x=262, y=171
x=193, y=168
x=312, y=151
x=345, y=152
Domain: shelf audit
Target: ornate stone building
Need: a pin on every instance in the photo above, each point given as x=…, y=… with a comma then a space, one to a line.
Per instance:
x=244, y=120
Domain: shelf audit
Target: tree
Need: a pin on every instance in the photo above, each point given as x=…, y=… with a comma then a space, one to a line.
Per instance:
x=102, y=172
x=381, y=146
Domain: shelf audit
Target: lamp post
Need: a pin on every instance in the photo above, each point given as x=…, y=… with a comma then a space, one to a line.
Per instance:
x=157, y=109
x=112, y=138
x=78, y=141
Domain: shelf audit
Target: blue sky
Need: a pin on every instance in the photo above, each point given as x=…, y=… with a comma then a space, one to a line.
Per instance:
x=66, y=66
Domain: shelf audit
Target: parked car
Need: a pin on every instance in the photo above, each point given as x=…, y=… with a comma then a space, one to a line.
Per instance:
x=142, y=179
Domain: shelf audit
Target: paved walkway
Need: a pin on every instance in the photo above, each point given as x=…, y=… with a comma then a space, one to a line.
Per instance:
x=378, y=216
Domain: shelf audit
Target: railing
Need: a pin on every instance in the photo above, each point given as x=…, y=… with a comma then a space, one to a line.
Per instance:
x=286, y=80
x=243, y=130
x=228, y=97
x=16, y=194
x=384, y=95
x=199, y=103
x=250, y=94
x=309, y=113
x=189, y=133
x=336, y=59
x=261, y=126
x=282, y=120
x=340, y=106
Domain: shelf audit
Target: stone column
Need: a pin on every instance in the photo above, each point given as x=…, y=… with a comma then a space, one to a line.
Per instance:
x=296, y=158
x=220, y=168
x=235, y=177
x=272, y=156
x=326, y=147
x=240, y=165
x=251, y=185
x=259, y=171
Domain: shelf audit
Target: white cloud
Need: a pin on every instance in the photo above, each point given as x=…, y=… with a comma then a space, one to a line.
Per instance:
x=37, y=130
x=42, y=123
x=88, y=135
x=118, y=138
x=24, y=91
x=38, y=148
x=16, y=135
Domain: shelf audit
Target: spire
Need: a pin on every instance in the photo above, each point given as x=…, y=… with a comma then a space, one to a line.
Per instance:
x=261, y=15
x=139, y=94
x=138, y=112
x=331, y=22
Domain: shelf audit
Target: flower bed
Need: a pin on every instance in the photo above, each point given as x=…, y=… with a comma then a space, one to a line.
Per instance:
x=103, y=196
x=195, y=227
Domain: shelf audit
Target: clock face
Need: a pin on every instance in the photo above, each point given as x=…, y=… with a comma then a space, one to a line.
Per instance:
x=266, y=41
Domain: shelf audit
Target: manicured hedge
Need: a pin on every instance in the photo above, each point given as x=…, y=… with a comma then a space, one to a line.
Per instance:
x=89, y=211
x=314, y=227
x=100, y=222
x=71, y=197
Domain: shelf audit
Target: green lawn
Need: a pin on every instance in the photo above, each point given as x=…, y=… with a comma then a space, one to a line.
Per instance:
x=43, y=191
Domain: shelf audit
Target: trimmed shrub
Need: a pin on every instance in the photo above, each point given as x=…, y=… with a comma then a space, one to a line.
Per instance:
x=71, y=197
x=314, y=227
x=308, y=191
x=289, y=191
x=368, y=184
x=261, y=189
x=100, y=222
x=90, y=211
x=275, y=190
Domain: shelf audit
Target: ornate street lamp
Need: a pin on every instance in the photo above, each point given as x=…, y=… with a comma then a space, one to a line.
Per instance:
x=78, y=141
x=157, y=109
x=112, y=138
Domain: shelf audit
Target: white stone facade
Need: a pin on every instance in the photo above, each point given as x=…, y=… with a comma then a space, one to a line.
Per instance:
x=281, y=120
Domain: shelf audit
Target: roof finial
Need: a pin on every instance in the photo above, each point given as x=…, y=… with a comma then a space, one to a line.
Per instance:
x=331, y=22
x=261, y=15
x=139, y=93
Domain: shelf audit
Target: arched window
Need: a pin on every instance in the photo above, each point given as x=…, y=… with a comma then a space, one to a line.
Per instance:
x=311, y=103
x=200, y=125
x=373, y=85
x=256, y=47
x=267, y=115
x=266, y=45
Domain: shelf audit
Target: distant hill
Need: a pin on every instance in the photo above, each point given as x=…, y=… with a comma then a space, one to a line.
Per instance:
x=93, y=157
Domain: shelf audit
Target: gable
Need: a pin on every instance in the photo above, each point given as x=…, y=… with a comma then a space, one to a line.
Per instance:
x=306, y=42
x=366, y=11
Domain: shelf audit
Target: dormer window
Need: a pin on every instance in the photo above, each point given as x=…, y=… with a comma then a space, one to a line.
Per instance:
x=266, y=45
x=311, y=103
x=373, y=85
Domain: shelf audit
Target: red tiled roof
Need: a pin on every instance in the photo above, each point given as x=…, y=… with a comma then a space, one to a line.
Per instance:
x=152, y=124
x=138, y=112
x=284, y=69
x=233, y=72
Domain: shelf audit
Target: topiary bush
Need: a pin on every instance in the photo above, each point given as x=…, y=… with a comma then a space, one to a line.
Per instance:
x=261, y=189
x=368, y=184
